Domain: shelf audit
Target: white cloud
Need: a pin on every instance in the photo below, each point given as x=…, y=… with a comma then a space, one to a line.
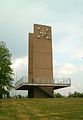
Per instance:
x=78, y=54
x=17, y=63
x=20, y=66
x=68, y=42
x=66, y=68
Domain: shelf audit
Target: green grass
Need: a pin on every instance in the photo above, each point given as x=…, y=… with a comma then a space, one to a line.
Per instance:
x=41, y=109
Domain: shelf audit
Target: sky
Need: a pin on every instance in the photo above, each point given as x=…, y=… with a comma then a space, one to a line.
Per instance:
x=17, y=18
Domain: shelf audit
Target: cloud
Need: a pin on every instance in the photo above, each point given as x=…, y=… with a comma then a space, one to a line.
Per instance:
x=65, y=69
x=19, y=62
x=20, y=66
x=68, y=42
x=78, y=54
x=68, y=68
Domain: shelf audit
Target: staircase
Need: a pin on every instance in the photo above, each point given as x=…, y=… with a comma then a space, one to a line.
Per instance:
x=47, y=90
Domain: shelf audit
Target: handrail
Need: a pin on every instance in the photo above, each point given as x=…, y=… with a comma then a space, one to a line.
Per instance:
x=57, y=81
x=21, y=81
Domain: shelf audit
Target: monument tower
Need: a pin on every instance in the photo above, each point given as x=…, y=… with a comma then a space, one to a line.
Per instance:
x=40, y=65
x=40, y=55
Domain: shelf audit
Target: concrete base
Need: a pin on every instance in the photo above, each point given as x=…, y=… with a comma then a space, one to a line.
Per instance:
x=40, y=92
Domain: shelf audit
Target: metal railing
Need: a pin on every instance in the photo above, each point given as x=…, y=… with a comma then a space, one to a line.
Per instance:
x=21, y=81
x=63, y=81
x=57, y=81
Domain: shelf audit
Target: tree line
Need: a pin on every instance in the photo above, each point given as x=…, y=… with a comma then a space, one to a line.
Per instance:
x=71, y=95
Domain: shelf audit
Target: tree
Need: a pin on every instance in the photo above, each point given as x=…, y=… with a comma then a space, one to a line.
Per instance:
x=6, y=73
x=75, y=95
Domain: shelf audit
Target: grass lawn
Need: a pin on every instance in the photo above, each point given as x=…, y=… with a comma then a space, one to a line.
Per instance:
x=41, y=109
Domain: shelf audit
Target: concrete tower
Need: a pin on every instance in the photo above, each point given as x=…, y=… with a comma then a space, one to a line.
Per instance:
x=40, y=55
x=40, y=82
x=40, y=58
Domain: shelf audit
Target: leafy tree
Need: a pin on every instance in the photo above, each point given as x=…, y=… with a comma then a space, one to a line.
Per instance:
x=6, y=73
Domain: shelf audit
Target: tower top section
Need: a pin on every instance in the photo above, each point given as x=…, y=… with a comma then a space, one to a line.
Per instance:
x=42, y=31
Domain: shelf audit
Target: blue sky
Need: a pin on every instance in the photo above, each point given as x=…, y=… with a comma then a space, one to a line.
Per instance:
x=66, y=18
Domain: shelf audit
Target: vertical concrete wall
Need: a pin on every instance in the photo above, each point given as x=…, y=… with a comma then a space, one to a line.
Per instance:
x=30, y=58
x=40, y=54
